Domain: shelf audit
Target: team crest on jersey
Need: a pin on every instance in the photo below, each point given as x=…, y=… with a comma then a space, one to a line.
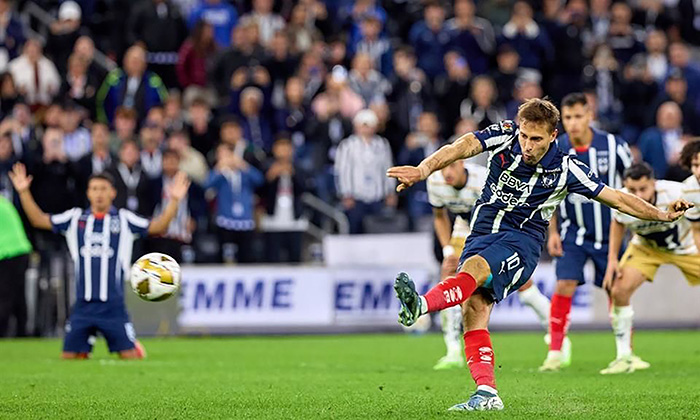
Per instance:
x=507, y=126
x=114, y=226
x=548, y=180
x=603, y=164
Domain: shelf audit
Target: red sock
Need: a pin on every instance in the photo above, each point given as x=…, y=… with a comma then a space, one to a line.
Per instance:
x=559, y=320
x=480, y=357
x=450, y=292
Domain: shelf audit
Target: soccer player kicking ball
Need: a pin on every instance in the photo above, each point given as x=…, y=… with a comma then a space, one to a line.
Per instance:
x=585, y=224
x=456, y=188
x=654, y=244
x=528, y=177
x=100, y=240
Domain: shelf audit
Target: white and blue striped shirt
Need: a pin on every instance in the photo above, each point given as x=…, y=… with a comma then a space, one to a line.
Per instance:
x=361, y=169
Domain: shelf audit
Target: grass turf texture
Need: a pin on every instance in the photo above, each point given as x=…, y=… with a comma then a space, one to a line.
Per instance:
x=334, y=377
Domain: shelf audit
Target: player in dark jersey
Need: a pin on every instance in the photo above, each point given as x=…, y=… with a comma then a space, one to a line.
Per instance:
x=583, y=229
x=528, y=177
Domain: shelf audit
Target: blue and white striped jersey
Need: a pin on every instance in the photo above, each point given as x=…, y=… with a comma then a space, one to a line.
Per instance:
x=587, y=220
x=100, y=246
x=520, y=197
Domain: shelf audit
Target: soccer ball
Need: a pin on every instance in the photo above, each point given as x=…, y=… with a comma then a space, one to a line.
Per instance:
x=155, y=277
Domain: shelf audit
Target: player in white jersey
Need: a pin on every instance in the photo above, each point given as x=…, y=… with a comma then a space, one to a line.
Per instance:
x=456, y=188
x=690, y=159
x=653, y=244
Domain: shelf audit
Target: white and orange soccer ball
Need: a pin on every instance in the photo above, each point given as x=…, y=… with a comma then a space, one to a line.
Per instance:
x=155, y=277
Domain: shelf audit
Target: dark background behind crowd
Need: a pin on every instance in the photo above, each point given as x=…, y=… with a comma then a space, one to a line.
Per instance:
x=261, y=102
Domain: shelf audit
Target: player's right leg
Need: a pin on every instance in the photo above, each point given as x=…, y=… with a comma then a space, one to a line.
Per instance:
x=121, y=338
x=480, y=356
x=622, y=319
x=80, y=336
x=450, y=292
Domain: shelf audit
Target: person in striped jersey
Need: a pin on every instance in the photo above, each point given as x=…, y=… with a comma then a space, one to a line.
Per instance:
x=582, y=233
x=100, y=240
x=456, y=188
x=528, y=177
x=653, y=244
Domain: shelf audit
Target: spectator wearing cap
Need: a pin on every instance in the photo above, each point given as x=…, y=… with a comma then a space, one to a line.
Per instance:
x=35, y=75
x=281, y=193
x=676, y=90
x=76, y=138
x=191, y=161
x=131, y=87
x=159, y=26
x=661, y=144
x=233, y=182
x=373, y=43
x=196, y=56
x=528, y=38
x=360, y=165
x=130, y=181
x=79, y=85
x=431, y=39
x=472, y=36
x=220, y=15
x=482, y=105
x=11, y=32
x=367, y=82
x=63, y=33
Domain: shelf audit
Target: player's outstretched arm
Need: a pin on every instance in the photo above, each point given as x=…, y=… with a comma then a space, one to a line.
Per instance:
x=462, y=148
x=21, y=181
x=634, y=206
x=177, y=191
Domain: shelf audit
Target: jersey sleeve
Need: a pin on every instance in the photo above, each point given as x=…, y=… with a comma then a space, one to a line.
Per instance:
x=61, y=222
x=582, y=180
x=433, y=196
x=496, y=134
x=137, y=225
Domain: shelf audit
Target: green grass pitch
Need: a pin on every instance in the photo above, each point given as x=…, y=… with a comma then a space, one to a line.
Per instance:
x=338, y=377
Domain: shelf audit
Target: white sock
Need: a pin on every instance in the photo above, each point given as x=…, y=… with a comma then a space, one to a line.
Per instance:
x=487, y=389
x=622, y=317
x=451, y=319
x=423, y=305
x=539, y=303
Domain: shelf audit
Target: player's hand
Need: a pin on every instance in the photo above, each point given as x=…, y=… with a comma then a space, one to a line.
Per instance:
x=554, y=246
x=178, y=189
x=612, y=272
x=406, y=175
x=20, y=180
x=677, y=209
x=449, y=266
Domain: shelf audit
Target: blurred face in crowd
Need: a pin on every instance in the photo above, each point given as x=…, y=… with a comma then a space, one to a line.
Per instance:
x=156, y=115
x=434, y=17
x=8, y=88
x=578, y=10
x=77, y=66
x=299, y=15
x=5, y=148
x=151, y=136
x=129, y=154
x=199, y=113
x=522, y=14
x=362, y=63
x=456, y=65
x=32, y=49
x=371, y=28
x=428, y=124
x=455, y=175
x=404, y=63
x=124, y=126
x=669, y=116
x=173, y=108
x=643, y=188
x=483, y=92
x=656, y=42
x=365, y=130
x=135, y=61
x=294, y=91
x=100, y=136
x=336, y=52
x=178, y=142
x=600, y=7
x=262, y=6
x=100, y=194
x=5, y=6
x=52, y=141
x=508, y=61
x=283, y=151
x=464, y=9
x=84, y=47
x=22, y=114
x=171, y=163
x=279, y=45
x=528, y=90
x=576, y=120
x=678, y=55
x=251, y=101
x=534, y=139
x=231, y=133
x=677, y=88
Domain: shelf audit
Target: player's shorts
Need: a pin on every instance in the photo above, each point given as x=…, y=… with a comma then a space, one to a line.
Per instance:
x=81, y=333
x=570, y=265
x=647, y=261
x=512, y=257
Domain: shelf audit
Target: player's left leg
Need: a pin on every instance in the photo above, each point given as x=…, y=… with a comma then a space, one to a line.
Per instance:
x=622, y=319
x=480, y=356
